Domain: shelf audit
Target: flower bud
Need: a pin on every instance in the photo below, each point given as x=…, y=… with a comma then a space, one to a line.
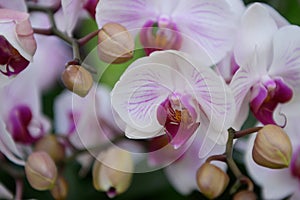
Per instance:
x=41, y=171
x=115, y=44
x=211, y=180
x=77, y=79
x=245, y=195
x=50, y=145
x=60, y=189
x=272, y=147
x=112, y=171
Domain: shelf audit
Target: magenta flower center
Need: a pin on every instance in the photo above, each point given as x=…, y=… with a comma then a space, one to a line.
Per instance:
x=158, y=35
x=265, y=97
x=179, y=117
x=11, y=58
x=22, y=127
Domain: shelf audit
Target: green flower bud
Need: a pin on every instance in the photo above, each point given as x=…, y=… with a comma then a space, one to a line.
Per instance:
x=77, y=79
x=40, y=171
x=211, y=180
x=112, y=171
x=272, y=147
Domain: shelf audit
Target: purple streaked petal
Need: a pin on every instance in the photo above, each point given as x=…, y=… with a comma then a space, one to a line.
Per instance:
x=132, y=14
x=209, y=23
x=140, y=91
x=286, y=59
x=255, y=35
x=279, y=20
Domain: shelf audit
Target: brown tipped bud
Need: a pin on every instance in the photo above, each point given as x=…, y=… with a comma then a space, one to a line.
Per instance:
x=50, y=145
x=77, y=79
x=211, y=180
x=245, y=195
x=272, y=147
x=115, y=44
x=41, y=171
x=60, y=189
x=112, y=171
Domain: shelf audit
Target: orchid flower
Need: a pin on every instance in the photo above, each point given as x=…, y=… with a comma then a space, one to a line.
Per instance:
x=88, y=121
x=19, y=5
x=269, y=62
x=17, y=44
x=169, y=93
x=175, y=24
x=21, y=121
x=279, y=183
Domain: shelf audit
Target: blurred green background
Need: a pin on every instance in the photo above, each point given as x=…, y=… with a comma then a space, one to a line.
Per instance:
x=153, y=185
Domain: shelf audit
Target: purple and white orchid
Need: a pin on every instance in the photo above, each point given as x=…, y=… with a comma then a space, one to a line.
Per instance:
x=269, y=61
x=178, y=25
x=170, y=93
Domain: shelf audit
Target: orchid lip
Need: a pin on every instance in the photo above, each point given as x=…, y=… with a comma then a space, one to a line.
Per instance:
x=179, y=119
x=22, y=126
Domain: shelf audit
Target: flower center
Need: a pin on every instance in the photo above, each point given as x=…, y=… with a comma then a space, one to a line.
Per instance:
x=158, y=35
x=265, y=97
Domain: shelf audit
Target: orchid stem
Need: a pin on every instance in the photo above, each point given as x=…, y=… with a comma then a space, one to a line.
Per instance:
x=82, y=41
x=221, y=157
x=241, y=178
x=19, y=189
x=242, y=133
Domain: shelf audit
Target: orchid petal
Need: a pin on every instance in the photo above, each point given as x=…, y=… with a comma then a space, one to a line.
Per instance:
x=8, y=146
x=257, y=29
x=131, y=14
x=286, y=59
x=17, y=30
x=5, y=193
x=140, y=91
x=279, y=20
x=19, y=5
x=210, y=23
x=270, y=179
x=71, y=10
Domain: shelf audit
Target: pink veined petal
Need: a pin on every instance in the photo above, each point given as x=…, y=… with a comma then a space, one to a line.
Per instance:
x=5, y=193
x=138, y=134
x=8, y=146
x=19, y=5
x=16, y=28
x=132, y=14
x=71, y=10
x=271, y=180
x=255, y=35
x=210, y=23
x=286, y=59
x=140, y=91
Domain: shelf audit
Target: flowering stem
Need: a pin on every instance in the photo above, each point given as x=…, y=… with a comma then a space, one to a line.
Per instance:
x=241, y=133
x=221, y=157
x=19, y=189
x=241, y=178
x=82, y=41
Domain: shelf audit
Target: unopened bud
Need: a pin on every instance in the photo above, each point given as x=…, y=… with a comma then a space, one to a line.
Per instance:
x=211, y=180
x=60, y=189
x=272, y=147
x=245, y=195
x=50, y=145
x=41, y=171
x=77, y=79
x=115, y=43
x=112, y=171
